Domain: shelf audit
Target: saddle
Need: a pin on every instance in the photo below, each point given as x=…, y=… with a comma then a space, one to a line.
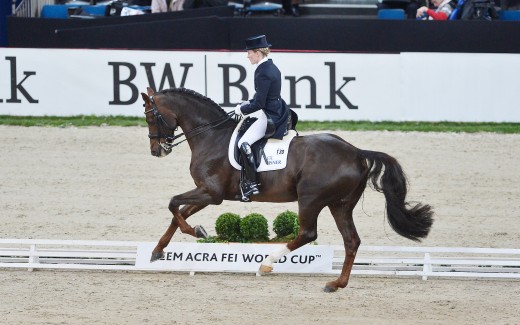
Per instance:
x=258, y=147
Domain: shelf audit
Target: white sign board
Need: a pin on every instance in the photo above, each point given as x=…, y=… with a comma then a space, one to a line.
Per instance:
x=235, y=258
x=318, y=86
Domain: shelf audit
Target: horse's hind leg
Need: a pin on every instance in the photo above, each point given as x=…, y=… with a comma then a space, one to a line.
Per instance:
x=342, y=213
x=308, y=217
x=186, y=211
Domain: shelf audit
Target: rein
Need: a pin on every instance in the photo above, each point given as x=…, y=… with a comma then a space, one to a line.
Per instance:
x=168, y=145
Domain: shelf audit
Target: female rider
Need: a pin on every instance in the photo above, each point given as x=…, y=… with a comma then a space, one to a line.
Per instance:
x=266, y=104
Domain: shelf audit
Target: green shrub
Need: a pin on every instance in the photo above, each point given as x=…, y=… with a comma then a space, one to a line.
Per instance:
x=254, y=228
x=227, y=227
x=211, y=239
x=296, y=227
x=283, y=224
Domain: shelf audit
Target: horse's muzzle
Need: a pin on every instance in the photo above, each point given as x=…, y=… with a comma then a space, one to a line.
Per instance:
x=161, y=151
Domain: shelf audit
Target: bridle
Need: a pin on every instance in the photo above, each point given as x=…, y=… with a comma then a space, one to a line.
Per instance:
x=161, y=123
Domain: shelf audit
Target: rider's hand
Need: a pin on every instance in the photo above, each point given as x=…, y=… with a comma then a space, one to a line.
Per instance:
x=237, y=110
x=244, y=103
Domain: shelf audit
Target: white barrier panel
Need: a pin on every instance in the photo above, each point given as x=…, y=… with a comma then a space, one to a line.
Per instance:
x=422, y=262
x=235, y=258
x=460, y=87
x=433, y=261
x=318, y=86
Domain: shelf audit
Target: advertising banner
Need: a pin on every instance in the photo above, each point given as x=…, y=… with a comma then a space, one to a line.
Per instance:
x=235, y=257
x=317, y=86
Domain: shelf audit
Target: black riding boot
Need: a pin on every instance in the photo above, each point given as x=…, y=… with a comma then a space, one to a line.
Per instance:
x=248, y=181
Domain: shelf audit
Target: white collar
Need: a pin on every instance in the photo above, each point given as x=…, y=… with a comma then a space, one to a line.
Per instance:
x=262, y=61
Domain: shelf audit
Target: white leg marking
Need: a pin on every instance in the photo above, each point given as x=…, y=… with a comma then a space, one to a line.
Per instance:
x=272, y=258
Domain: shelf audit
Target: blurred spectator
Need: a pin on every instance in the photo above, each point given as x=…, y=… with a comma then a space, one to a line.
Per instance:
x=443, y=11
x=409, y=6
x=476, y=10
x=291, y=7
x=166, y=5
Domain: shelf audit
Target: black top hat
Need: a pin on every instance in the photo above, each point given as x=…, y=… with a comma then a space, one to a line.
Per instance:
x=256, y=42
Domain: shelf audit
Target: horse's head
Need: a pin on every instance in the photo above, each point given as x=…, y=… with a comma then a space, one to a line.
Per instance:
x=161, y=124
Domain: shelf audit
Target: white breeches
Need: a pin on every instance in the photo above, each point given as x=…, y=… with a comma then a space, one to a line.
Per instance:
x=257, y=130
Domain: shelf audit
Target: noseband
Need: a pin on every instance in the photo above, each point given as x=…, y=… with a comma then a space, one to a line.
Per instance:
x=161, y=123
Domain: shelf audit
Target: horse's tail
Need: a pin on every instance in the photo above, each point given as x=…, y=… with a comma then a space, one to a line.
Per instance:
x=410, y=221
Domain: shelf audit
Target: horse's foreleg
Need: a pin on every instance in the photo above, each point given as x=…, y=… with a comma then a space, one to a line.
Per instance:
x=196, y=197
x=308, y=217
x=181, y=221
x=158, y=252
x=186, y=211
x=343, y=216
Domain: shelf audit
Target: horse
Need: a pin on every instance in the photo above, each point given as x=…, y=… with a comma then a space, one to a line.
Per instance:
x=323, y=170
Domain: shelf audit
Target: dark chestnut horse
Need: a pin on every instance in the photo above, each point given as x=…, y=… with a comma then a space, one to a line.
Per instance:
x=323, y=170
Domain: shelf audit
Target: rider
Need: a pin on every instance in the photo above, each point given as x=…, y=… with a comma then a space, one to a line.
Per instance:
x=266, y=104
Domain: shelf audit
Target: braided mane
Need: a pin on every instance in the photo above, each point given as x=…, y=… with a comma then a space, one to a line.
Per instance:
x=195, y=95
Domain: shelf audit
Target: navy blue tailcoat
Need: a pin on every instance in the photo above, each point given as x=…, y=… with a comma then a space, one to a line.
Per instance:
x=268, y=85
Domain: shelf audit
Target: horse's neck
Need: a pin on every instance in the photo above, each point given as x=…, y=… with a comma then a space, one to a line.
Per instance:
x=193, y=113
x=214, y=141
x=205, y=133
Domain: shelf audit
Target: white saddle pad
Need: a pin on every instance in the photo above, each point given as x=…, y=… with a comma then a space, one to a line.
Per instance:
x=275, y=151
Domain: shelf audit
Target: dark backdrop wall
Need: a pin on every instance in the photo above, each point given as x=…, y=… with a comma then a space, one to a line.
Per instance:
x=217, y=28
x=5, y=11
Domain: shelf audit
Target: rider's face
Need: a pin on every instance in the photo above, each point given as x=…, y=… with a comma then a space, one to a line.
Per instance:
x=254, y=56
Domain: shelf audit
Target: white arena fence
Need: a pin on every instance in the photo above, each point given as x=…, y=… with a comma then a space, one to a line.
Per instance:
x=421, y=262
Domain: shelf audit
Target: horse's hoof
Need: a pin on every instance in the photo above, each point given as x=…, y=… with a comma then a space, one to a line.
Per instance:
x=330, y=288
x=200, y=232
x=264, y=269
x=156, y=256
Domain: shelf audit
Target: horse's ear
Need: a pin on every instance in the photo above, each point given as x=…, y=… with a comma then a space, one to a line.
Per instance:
x=150, y=91
x=146, y=99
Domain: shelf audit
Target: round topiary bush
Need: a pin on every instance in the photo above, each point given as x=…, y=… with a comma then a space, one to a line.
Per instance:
x=227, y=227
x=283, y=224
x=296, y=227
x=254, y=228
